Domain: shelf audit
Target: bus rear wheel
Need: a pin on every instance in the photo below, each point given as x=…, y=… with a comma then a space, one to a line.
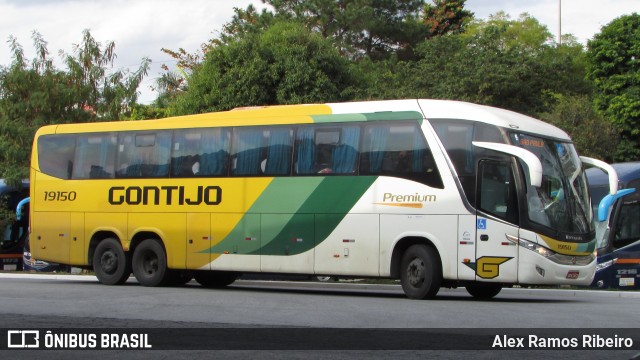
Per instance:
x=215, y=279
x=149, y=263
x=483, y=290
x=110, y=263
x=420, y=272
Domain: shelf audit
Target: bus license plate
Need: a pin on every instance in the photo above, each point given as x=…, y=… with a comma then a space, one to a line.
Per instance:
x=626, y=282
x=573, y=274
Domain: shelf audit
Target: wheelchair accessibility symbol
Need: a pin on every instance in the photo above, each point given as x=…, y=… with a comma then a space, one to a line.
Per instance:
x=482, y=224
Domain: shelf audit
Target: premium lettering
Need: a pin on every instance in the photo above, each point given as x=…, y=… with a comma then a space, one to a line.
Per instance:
x=165, y=195
x=408, y=198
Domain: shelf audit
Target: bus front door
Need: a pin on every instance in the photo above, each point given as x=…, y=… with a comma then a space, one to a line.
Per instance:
x=496, y=223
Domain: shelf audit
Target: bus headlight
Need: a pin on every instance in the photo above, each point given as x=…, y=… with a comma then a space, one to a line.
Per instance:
x=537, y=248
x=552, y=255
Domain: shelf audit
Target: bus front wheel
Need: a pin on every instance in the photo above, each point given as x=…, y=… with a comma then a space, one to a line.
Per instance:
x=149, y=263
x=215, y=279
x=420, y=272
x=110, y=263
x=483, y=290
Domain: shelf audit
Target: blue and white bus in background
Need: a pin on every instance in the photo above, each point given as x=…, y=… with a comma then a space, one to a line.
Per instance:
x=14, y=231
x=14, y=226
x=29, y=263
x=618, y=227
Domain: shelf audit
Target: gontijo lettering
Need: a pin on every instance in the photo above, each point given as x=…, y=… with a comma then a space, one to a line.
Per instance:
x=165, y=195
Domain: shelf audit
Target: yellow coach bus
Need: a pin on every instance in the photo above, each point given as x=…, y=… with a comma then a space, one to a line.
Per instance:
x=434, y=193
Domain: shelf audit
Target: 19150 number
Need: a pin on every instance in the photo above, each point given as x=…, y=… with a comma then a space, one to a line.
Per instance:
x=59, y=196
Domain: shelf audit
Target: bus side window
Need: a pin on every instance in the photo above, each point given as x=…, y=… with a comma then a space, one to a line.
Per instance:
x=55, y=155
x=246, y=150
x=95, y=156
x=627, y=222
x=304, y=150
x=398, y=150
x=627, y=225
x=496, y=190
x=325, y=142
x=345, y=153
x=278, y=151
x=326, y=150
x=200, y=152
x=144, y=154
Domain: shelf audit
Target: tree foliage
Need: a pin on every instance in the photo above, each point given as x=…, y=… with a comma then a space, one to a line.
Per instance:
x=362, y=31
x=286, y=64
x=592, y=134
x=37, y=93
x=446, y=17
x=359, y=28
x=614, y=67
x=488, y=65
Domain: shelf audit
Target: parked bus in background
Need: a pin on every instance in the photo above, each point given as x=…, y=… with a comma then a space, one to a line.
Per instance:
x=618, y=228
x=29, y=263
x=14, y=231
x=432, y=192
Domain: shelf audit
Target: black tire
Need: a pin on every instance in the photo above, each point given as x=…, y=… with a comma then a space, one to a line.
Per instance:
x=483, y=290
x=177, y=277
x=149, y=263
x=111, y=263
x=420, y=272
x=215, y=279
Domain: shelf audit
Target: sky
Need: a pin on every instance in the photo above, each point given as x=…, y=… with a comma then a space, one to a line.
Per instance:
x=141, y=28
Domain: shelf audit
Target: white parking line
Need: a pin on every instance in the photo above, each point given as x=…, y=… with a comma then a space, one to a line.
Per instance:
x=56, y=276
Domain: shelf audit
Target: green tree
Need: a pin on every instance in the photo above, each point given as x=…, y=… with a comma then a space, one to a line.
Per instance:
x=37, y=93
x=362, y=30
x=501, y=62
x=286, y=64
x=359, y=28
x=592, y=135
x=614, y=67
x=446, y=17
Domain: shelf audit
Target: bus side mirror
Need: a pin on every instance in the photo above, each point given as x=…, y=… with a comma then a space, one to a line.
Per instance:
x=529, y=158
x=607, y=202
x=611, y=172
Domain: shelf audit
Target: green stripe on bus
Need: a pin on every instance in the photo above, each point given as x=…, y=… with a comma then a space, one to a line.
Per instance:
x=285, y=195
x=394, y=115
x=293, y=215
x=378, y=116
x=317, y=217
x=338, y=118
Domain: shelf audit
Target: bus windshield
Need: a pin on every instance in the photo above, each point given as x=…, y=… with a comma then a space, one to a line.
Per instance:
x=562, y=202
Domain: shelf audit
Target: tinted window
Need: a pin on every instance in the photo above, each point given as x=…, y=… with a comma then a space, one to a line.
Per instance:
x=279, y=150
x=627, y=229
x=144, y=154
x=95, y=156
x=496, y=190
x=55, y=155
x=200, y=152
x=389, y=148
x=327, y=150
x=457, y=136
x=262, y=150
x=246, y=151
x=398, y=150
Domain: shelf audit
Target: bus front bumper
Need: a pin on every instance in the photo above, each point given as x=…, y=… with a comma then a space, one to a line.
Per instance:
x=534, y=269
